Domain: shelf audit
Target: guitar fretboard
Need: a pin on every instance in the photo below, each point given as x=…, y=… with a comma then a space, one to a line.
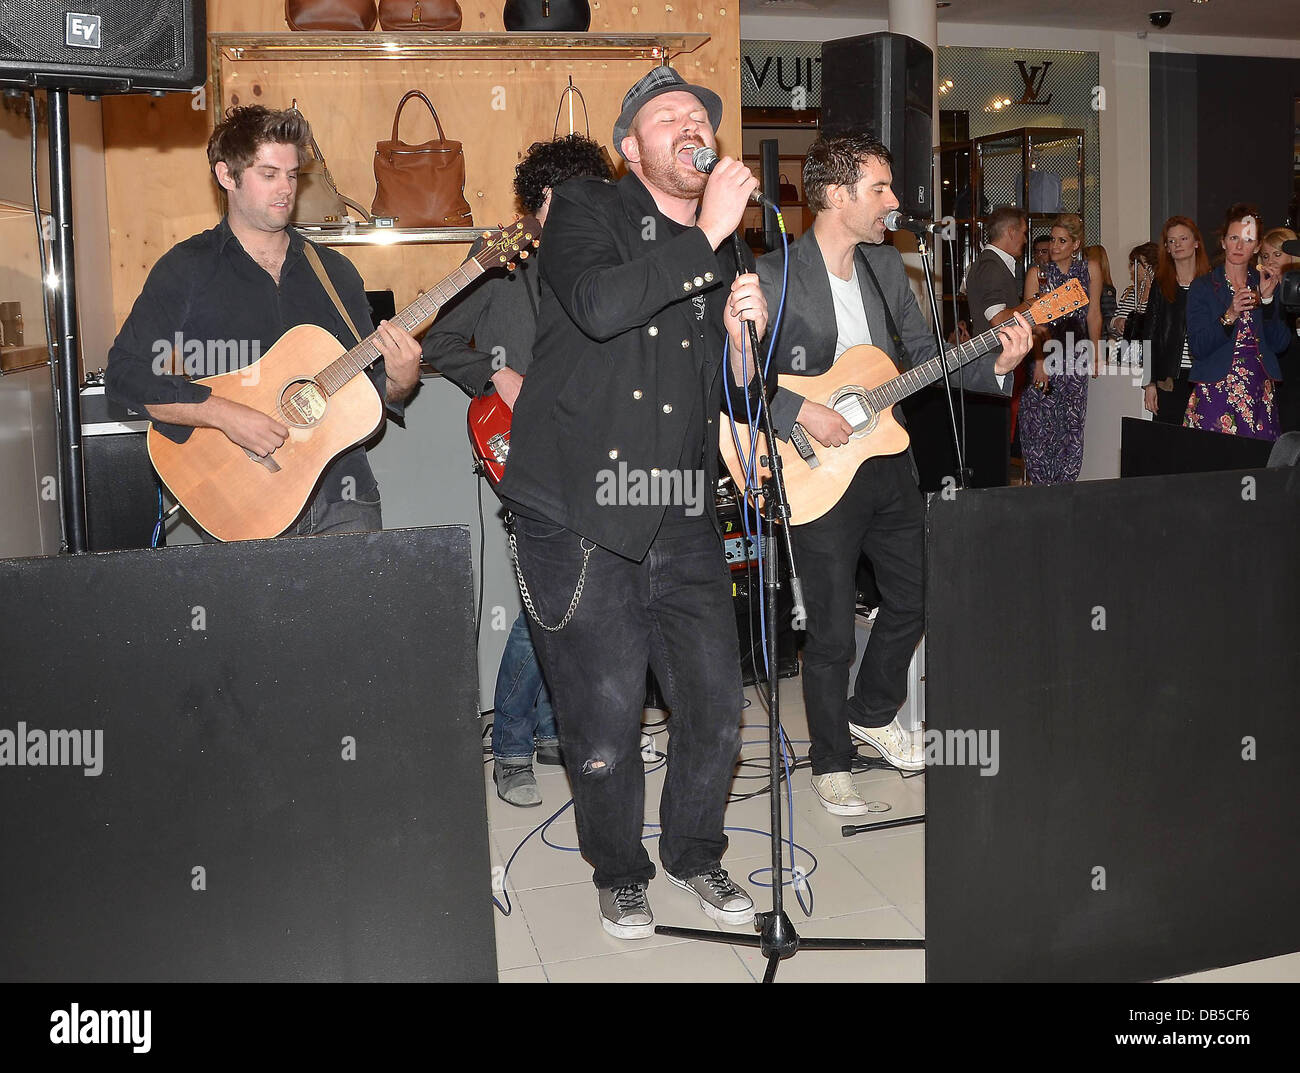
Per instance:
x=952, y=359
x=364, y=354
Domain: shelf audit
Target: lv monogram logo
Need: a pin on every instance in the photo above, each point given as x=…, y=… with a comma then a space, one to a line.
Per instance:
x=1034, y=78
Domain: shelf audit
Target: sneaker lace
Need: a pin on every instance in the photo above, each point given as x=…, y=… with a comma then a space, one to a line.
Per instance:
x=841, y=784
x=721, y=883
x=629, y=898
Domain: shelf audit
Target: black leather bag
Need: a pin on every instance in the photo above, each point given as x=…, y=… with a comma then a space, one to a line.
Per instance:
x=555, y=16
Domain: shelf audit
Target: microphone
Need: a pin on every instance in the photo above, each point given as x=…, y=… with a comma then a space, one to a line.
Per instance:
x=897, y=221
x=705, y=160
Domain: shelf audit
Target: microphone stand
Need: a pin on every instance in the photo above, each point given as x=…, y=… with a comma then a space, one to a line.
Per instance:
x=777, y=938
x=927, y=266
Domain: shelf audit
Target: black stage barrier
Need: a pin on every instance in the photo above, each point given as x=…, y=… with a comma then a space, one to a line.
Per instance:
x=1136, y=646
x=988, y=438
x=290, y=784
x=1153, y=448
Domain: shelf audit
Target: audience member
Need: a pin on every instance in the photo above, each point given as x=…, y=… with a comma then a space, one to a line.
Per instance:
x=1236, y=330
x=1274, y=261
x=1052, y=413
x=1181, y=258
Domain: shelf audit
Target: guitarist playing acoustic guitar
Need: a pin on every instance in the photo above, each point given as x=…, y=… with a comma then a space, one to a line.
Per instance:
x=846, y=289
x=222, y=298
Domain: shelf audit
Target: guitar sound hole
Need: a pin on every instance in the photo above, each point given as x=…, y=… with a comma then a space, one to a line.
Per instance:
x=302, y=403
x=852, y=406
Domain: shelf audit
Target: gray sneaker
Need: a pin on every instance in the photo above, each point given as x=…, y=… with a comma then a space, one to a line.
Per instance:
x=625, y=912
x=516, y=784
x=720, y=898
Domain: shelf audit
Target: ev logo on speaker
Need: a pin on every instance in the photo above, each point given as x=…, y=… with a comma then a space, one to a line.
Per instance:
x=80, y=30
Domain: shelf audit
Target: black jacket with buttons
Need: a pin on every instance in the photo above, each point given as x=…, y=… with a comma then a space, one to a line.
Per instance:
x=626, y=364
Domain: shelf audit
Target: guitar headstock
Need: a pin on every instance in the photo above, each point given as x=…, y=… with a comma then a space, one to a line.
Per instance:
x=508, y=244
x=1055, y=304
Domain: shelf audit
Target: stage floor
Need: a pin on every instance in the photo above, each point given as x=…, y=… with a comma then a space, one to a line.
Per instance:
x=869, y=886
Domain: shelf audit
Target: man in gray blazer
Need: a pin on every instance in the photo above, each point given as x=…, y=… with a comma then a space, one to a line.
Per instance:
x=846, y=288
x=992, y=284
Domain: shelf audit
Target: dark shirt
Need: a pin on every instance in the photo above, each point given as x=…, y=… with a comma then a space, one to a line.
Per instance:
x=220, y=310
x=498, y=316
x=625, y=375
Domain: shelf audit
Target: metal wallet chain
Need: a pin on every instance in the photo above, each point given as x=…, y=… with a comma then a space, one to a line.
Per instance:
x=583, y=543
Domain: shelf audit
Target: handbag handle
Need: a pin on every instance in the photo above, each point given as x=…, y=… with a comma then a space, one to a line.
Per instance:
x=586, y=119
x=397, y=116
x=325, y=168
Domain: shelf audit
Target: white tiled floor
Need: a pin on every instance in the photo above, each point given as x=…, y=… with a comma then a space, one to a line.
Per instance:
x=869, y=886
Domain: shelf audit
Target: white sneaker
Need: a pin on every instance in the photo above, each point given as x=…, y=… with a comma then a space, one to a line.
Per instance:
x=902, y=749
x=838, y=795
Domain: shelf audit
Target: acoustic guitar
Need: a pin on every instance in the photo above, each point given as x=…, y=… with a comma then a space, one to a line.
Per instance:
x=312, y=385
x=863, y=385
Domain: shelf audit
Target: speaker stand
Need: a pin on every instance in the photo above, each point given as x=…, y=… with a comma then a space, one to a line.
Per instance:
x=67, y=404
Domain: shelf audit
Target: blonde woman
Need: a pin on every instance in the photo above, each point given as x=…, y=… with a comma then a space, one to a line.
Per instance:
x=1053, y=409
x=1274, y=262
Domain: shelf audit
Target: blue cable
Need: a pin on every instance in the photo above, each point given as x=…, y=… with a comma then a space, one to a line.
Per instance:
x=157, y=529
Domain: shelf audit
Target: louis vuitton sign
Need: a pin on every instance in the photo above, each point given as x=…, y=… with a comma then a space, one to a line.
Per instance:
x=781, y=74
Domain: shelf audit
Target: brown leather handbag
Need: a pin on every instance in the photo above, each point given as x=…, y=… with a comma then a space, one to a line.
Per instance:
x=431, y=15
x=342, y=15
x=421, y=185
x=318, y=202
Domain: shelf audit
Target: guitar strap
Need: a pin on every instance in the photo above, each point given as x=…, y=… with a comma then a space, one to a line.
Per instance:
x=900, y=351
x=314, y=260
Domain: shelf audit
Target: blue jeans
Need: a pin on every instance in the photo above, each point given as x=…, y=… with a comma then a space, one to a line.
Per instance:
x=523, y=715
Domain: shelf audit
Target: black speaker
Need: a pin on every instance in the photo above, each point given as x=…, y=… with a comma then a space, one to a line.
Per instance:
x=884, y=83
x=103, y=46
x=121, y=492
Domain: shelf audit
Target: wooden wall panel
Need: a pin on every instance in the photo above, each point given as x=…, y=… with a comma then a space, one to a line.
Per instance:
x=160, y=190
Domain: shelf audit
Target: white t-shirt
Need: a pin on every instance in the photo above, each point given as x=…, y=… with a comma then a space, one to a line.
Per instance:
x=850, y=314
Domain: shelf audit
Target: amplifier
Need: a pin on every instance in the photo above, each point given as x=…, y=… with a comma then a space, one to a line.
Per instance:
x=121, y=489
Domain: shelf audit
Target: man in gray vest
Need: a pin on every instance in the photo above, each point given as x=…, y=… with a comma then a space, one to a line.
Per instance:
x=993, y=286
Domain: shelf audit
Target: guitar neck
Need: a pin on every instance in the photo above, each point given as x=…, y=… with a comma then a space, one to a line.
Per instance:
x=419, y=312
x=909, y=383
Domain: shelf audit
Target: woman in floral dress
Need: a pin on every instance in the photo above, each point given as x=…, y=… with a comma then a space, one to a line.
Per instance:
x=1054, y=406
x=1235, y=331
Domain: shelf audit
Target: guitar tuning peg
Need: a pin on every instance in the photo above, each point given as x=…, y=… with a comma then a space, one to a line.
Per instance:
x=523, y=256
x=510, y=265
x=487, y=234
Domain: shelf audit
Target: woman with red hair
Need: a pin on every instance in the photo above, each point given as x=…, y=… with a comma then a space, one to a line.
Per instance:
x=1236, y=331
x=1180, y=259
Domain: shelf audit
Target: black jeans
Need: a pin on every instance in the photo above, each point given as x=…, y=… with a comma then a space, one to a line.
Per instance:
x=1171, y=406
x=673, y=612
x=881, y=515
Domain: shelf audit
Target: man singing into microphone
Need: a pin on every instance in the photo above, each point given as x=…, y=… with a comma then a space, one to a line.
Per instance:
x=613, y=465
x=846, y=288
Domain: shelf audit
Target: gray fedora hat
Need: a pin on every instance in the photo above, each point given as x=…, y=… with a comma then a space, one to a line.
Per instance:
x=658, y=82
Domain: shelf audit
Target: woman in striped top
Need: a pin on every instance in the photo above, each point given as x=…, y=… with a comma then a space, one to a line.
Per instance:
x=1181, y=259
x=1142, y=269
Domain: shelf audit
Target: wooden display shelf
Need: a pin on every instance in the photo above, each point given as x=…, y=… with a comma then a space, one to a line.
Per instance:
x=15, y=358
x=367, y=235
x=448, y=46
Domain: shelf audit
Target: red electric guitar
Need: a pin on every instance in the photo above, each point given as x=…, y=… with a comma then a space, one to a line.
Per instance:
x=489, y=435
